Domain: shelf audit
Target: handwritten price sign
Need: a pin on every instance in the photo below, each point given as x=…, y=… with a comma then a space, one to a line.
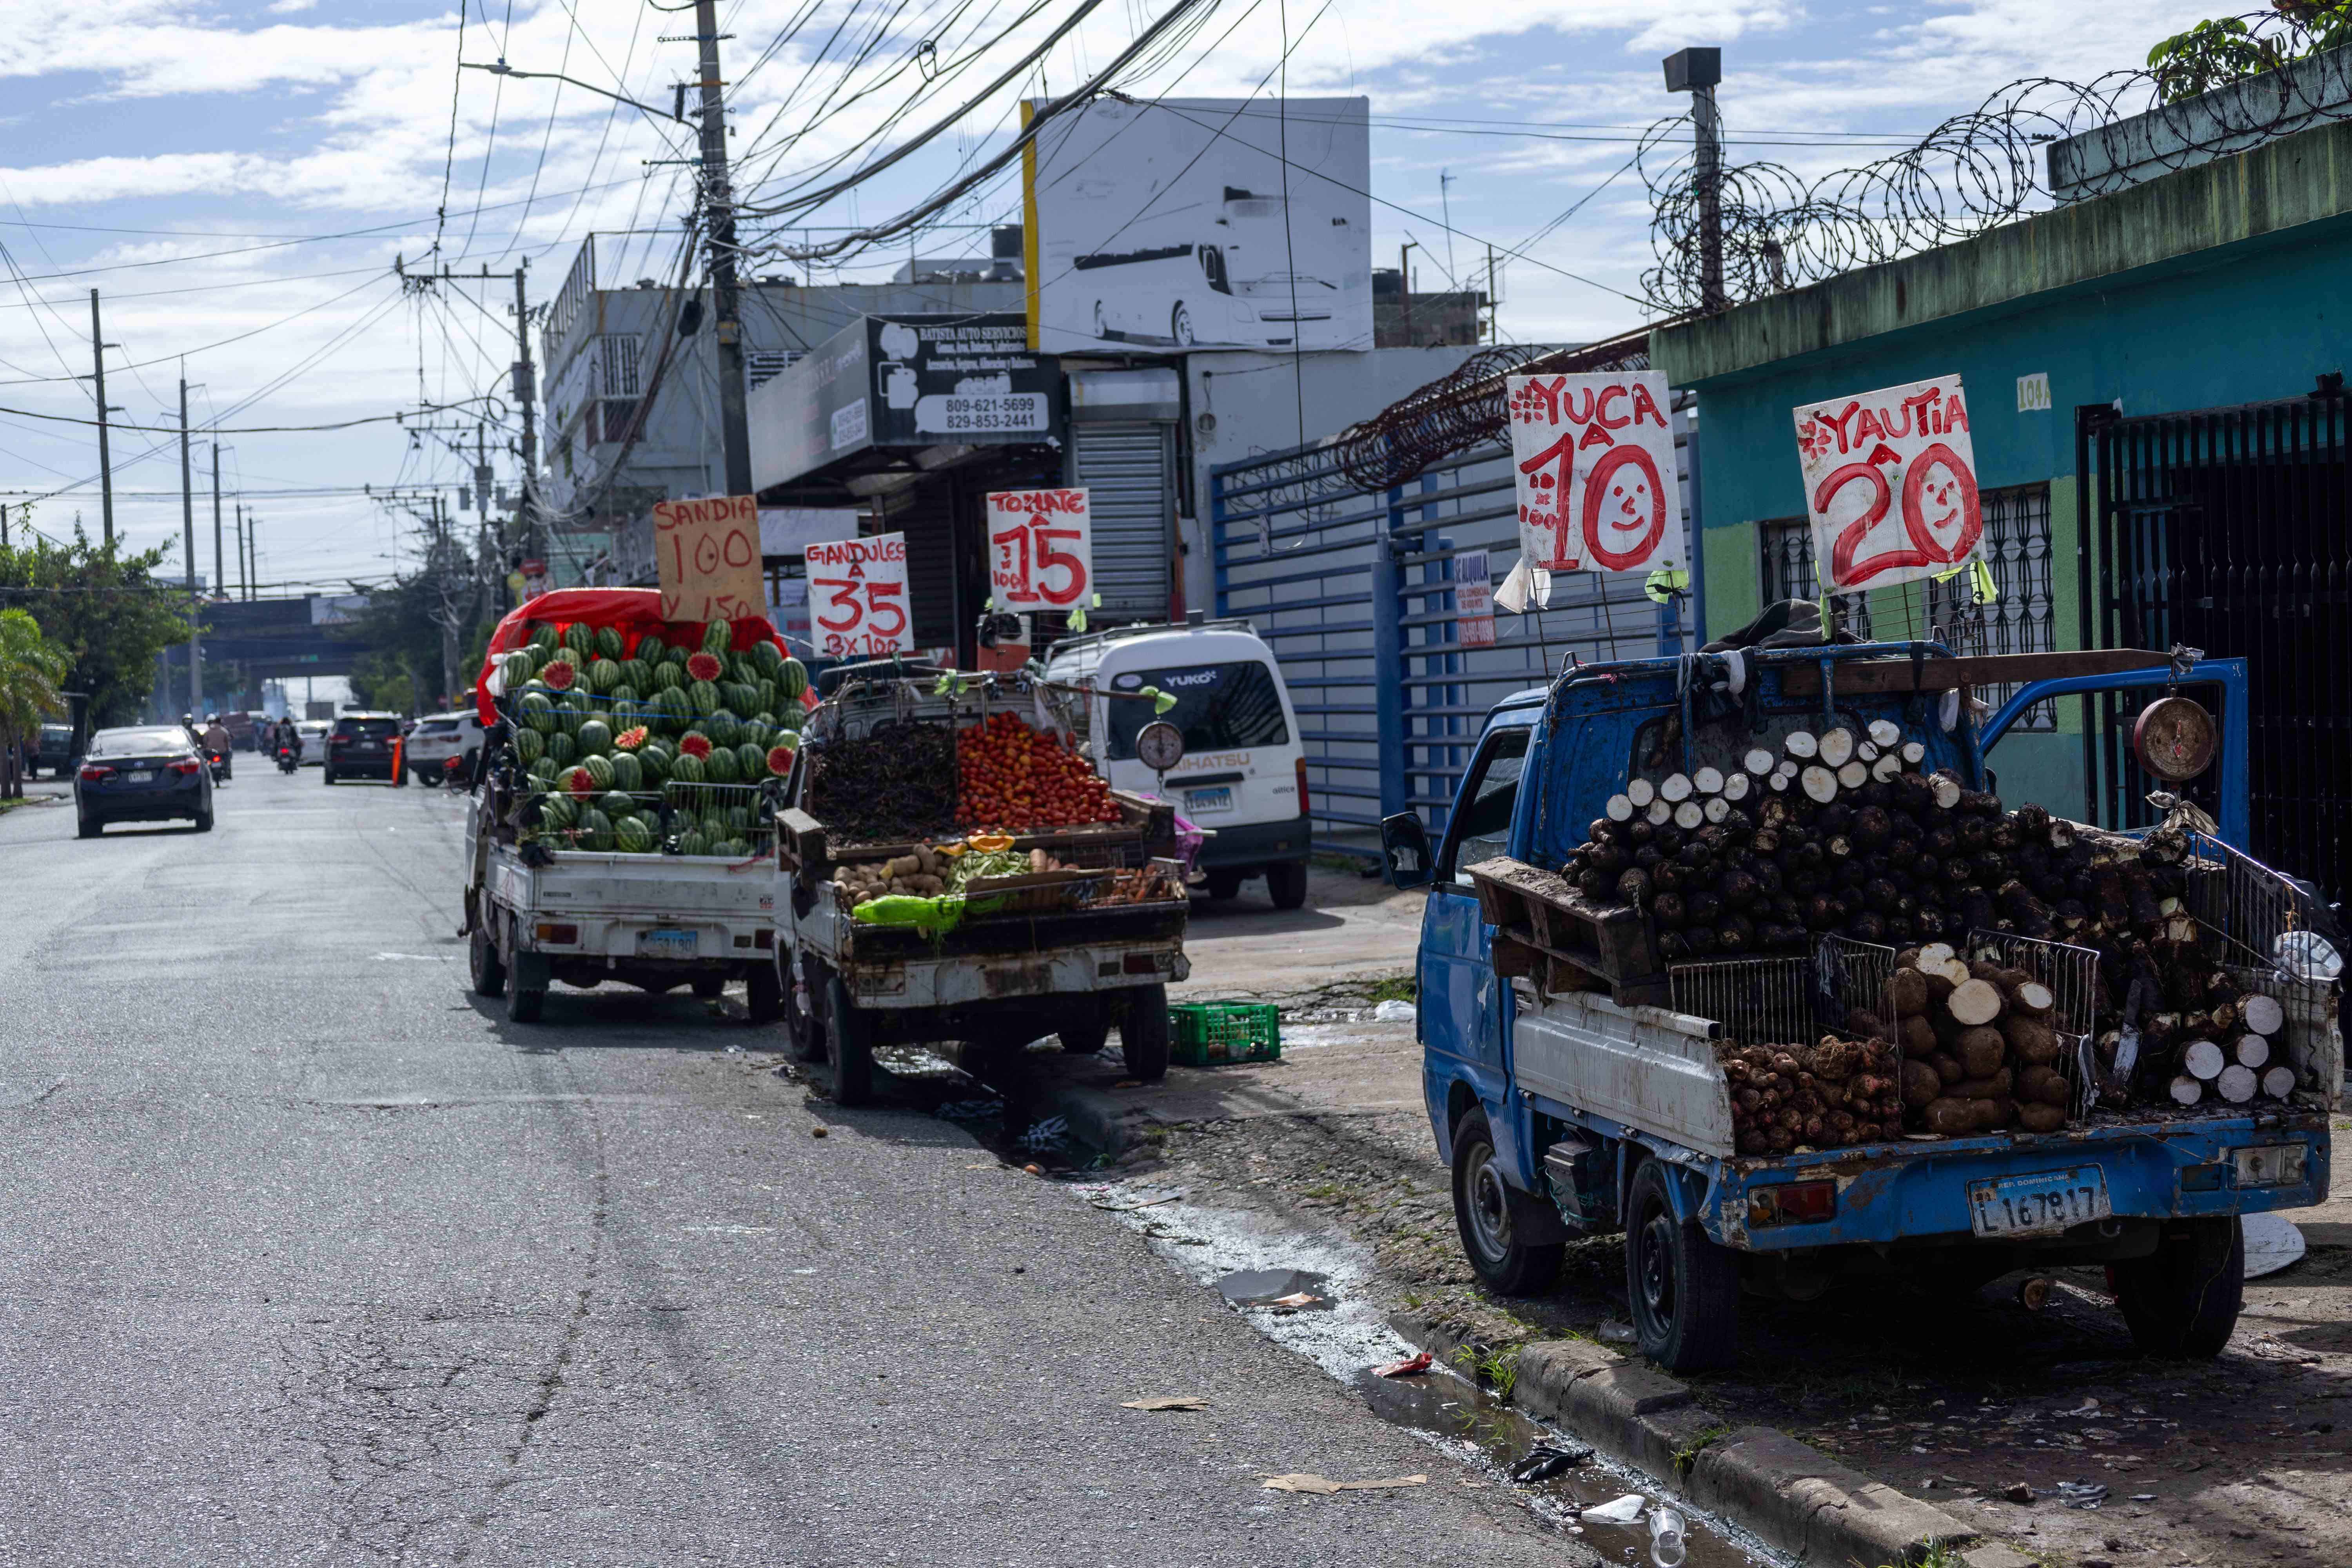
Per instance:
x=1040, y=549
x=1890, y=485
x=858, y=597
x=707, y=554
x=1596, y=486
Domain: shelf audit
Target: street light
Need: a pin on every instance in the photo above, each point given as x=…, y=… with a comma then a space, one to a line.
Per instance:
x=502, y=68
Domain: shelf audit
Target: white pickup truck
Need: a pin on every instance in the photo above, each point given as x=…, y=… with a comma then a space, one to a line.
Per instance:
x=655, y=921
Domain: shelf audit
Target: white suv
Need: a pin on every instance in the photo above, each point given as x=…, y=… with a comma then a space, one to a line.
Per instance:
x=1244, y=773
x=440, y=736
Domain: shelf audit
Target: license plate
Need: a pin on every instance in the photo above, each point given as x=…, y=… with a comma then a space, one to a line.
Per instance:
x=665, y=944
x=1199, y=802
x=140, y=776
x=370, y=746
x=2048, y=1200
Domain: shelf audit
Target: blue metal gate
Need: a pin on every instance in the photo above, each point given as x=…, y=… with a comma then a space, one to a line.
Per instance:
x=1354, y=592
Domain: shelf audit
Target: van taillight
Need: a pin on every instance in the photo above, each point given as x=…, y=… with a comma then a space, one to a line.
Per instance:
x=1302, y=786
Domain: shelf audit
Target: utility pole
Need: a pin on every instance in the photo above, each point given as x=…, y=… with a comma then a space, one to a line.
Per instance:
x=1404, y=286
x=244, y=577
x=1697, y=72
x=1494, y=303
x=188, y=529
x=726, y=301
x=220, y=562
x=98, y=347
x=525, y=389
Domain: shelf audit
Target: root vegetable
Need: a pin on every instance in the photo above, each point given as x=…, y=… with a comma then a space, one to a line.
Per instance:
x=1913, y=752
x=1981, y=1052
x=2037, y=1117
x=1952, y=1118
x=1854, y=775
x=2186, y=1090
x=1633, y=887
x=1678, y=787
x=1715, y=809
x=2201, y=1058
x=2237, y=1084
x=1884, y=733
x=1707, y=781
x=1888, y=767
x=1936, y=955
x=1948, y=1068
x=2031, y=998
x=1736, y=787
x=1918, y=1037
x=1687, y=816
x=1906, y=992
x=2261, y=1013
x=1641, y=792
x=1619, y=808
x=1975, y=1001
x=1998, y=1085
x=1944, y=788
x=1658, y=811
x=2031, y=1040
x=1821, y=786
x=1801, y=745
x=2253, y=1051
x=1921, y=1085
x=1777, y=782
x=2279, y=1082
x=1836, y=747
x=1758, y=761
x=2045, y=1084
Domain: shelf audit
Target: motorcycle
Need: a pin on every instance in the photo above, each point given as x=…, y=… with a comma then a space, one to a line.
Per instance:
x=220, y=765
x=286, y=761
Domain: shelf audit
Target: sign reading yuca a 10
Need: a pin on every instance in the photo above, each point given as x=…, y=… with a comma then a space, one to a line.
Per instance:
x=1040, y=549
x=858, y=597
x=1890, y=484
x=1202, y=223
x=1594, y=456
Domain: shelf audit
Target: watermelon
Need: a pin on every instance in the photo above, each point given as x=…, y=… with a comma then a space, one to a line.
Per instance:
x=599, y=769
x=664, y=711
x=717, y=636
x=559, y=674
x=675, y=656
x=609, y=643
x=562, y=750
x=538, y=710
x=654, y=757
x=751, y=760
x=616, y=805
x=769, y=695
x=669, y=678
x=517, y=667
x=780, y=760
x=714, y=826
x=542, y=773
x=720, y=726
x=557, y=811
x=701, y=696
x=577, y=782
x=604, y=675
x=580, y=637
x=739, y=822
x=767, y=657
x=594, y=737
x=694, y=744
x=705, y=667
x=721, y=766
x=632, y=837
x=691, y=843
x=791, y=678
x=688, y=767
x=627, y=771
x=635, y=672
x=789, y=720
x=595, y=829
x=629, y=740
x=542, y=636
x=529, y=746
x=650, y=647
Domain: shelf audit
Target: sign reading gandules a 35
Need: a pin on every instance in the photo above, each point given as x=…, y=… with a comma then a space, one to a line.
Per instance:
x=1890, y=485
x=858, y=597
x=1178, y=224
x=1594, y=456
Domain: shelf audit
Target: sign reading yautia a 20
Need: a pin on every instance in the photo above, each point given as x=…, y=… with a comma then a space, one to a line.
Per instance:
x=1890, y=485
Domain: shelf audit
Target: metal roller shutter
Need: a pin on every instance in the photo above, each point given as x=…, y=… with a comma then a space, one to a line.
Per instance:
x=1129, y=470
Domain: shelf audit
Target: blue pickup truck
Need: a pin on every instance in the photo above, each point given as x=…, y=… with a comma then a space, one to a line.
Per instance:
x=1569, y=1105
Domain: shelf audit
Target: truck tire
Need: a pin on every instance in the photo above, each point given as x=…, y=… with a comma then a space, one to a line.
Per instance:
x=1285, y=884
x=709, y=986
x=489, y=971
x=800, y=1005
x=1223, y=884
x=522, y=1002
x=1143, y=1033
x=848, y=1046
x=1086, y=1039
x=1683, y=1289
x=760, y=994
x=2182, y=1301
x=1486, y=1211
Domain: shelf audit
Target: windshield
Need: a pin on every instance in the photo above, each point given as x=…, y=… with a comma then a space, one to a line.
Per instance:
x=379, y=727
x=1481, y=828
x=58, y=732
x=1219, y=707
x=139, y=743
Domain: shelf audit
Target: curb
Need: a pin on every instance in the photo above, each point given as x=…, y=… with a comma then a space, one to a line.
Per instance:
x=1095, y=1119
x=1791, y=1495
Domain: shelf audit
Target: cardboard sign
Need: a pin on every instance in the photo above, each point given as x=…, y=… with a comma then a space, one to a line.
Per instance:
x=1597, y=486
x=1890, y=485
x=858, y=597
x=1041, y=552
x=1473, y=601
x=708, y=555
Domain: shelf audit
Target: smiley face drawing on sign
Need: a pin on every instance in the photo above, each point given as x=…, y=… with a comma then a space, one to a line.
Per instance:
x=1624, y=513
x=1939, y=505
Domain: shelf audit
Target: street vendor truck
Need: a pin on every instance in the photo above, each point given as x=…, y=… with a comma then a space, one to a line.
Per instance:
x=1569, y=1107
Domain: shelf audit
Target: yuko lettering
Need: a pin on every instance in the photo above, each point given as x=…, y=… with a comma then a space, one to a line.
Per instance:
x=1595, y=476
x=1890, y=485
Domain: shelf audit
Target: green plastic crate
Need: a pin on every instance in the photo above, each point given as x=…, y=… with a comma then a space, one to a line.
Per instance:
x=1213, y=1034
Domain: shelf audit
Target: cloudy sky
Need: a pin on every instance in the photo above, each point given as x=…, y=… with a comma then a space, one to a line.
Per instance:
x=236, y=180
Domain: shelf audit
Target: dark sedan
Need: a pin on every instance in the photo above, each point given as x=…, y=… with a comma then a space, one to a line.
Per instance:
x=150, y=773
x=364, y=746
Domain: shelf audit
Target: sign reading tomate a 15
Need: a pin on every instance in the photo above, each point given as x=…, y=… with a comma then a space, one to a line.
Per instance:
x=858, y=597
x=707, y=553
x=1595, y=468
x=1040, y=549
x=1890, y=484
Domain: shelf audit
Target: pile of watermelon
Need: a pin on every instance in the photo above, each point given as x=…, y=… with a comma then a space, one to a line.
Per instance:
x=624, y=744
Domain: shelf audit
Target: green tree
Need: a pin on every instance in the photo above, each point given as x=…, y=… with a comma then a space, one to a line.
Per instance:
x=380, y=680
x=109, y=610
x=2223, y=49
x=32, y=672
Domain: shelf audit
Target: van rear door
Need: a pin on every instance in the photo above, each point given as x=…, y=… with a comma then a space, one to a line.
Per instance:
x=1241, y=744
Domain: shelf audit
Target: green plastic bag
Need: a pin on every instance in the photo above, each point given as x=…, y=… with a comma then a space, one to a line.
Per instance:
x=930, y=916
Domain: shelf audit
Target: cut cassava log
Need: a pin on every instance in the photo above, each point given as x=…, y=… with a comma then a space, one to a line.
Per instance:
x=1707, y=781
x=1887, y=766
x=1677, y=787
x=2261, y=1013
x=1866, y=751
x=1619, y=808
x=2033, y=998
x=1836, y=747
x=1641, y=792
x=1777, y=782
x=1801, y=745
x=1946, y=791
x=1820, y=784
x=1658, y=811
x=1974, y=1001
x=1914, y=753
x=2279, y=1082
x=2237, y=1085
x=1687, y=816
x=2187, y=1090
x=1715, y=809
x=1854, y=775
x=2201, y=1058
x=1935, y=953
x=1884, y=733
x=1758, y=761
x=1735, y=787
x=2253, y=1051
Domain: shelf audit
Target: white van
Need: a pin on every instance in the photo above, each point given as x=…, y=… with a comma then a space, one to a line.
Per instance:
x=1244, y=773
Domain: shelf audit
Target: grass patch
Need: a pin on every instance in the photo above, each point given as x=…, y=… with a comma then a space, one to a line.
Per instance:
x=1396, y=988
x=1497, y=1369
x=1687, y=1455
x=1324, y=1190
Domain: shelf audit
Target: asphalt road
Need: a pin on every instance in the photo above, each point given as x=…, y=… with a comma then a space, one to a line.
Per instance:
x=310, y=1257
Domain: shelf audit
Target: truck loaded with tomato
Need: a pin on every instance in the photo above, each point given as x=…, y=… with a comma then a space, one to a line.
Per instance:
x=952, y=869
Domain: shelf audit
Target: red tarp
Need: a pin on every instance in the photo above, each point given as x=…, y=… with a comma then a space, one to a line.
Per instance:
x=632, y=612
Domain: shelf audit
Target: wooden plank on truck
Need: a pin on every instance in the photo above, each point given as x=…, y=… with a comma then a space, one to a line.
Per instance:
x=1545, y=911
x=1870, y=677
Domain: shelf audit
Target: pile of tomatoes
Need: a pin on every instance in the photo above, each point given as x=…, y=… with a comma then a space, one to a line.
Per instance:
x=1009, y=776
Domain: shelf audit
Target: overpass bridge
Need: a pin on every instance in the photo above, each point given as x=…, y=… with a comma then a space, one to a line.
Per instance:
x=275, y=638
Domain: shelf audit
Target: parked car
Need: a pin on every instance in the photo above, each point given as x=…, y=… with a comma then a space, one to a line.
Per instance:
x=314, y=734
x=1244, y=773
x=53, y=748
x=363, y=746
x=437, y=737
x=152, y=773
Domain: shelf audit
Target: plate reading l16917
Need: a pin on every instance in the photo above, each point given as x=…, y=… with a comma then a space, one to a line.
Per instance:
x=2046, y=1200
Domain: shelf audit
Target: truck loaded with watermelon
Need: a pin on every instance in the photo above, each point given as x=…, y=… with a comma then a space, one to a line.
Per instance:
x=624, y=826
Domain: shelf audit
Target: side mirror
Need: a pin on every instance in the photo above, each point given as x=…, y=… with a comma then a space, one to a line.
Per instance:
x=1404, y=849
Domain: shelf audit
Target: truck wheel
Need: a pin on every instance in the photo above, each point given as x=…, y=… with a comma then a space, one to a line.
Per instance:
x=1223, y=884
x=522, y=1005
x=1683, y=1287
x=490, y=969
x=848, y=1046
x=1486, y=1211
x=1085, y=1039
x=760, y=992
x=709, y=986
x=1143, y=1033
x=799, y=1005
x=2183, y=1300
x=1286, y=883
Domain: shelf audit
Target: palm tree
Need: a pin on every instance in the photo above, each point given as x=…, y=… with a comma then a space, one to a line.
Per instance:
x=30, y=670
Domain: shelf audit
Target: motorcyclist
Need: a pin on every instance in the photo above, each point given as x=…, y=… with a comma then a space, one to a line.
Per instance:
x=290, y=739
x=217, y=746
x=195, y=736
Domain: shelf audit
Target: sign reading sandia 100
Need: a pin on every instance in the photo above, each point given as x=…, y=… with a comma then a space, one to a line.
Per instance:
x=1594, y=460
x=1890, y=485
